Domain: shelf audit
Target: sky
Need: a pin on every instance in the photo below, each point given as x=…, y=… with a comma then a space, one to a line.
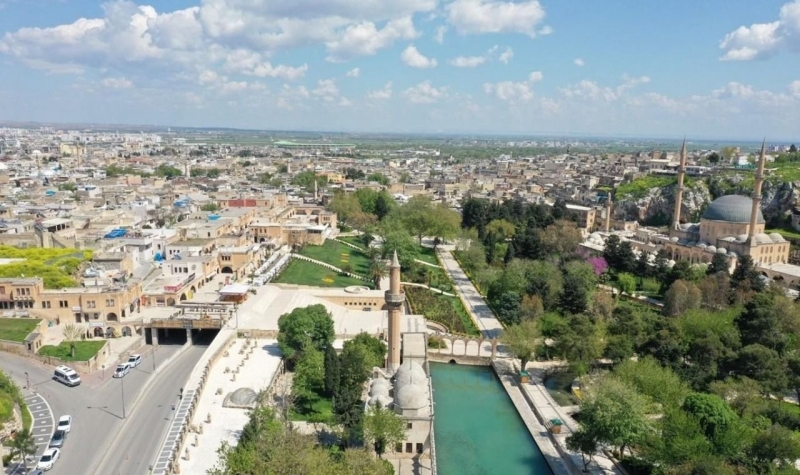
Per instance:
x=716, y=69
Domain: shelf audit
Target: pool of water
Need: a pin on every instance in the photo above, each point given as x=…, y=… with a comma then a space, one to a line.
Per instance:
x=559, y=385
x=478, y=429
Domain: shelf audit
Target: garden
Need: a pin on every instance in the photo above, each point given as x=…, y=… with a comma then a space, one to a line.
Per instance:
x=56, y=267
x=339, y=255
x=442, y=309
x=307, y=273
x=17, y=329
x=84, y=350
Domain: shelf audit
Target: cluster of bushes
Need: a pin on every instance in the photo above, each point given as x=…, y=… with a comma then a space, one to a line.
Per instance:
x=440, y=309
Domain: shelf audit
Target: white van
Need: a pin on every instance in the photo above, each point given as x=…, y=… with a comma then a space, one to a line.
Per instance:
x=66, y=375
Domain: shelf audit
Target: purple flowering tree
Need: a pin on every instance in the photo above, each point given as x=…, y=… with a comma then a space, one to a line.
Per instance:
x=599, y=264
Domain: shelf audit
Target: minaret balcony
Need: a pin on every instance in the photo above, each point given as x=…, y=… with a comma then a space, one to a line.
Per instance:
x=396, y=299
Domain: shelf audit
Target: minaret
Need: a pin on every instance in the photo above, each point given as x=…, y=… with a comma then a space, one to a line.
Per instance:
x=608, y=213
x=316, y=198
x=676, y=219
x=757, y=194
x=394, y=301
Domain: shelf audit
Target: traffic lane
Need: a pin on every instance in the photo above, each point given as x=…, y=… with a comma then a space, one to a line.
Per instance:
x=141, y=435
x=43, y=422
x=98, y=416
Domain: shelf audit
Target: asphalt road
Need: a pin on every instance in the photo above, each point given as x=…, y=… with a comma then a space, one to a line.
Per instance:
x=96, y=405
x=139, y=439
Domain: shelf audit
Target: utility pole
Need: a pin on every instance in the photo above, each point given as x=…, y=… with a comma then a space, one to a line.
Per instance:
x=154, y=358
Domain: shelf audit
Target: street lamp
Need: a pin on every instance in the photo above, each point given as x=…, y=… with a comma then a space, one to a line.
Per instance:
x=27, y=381
x=154, y=358
x=122, y=389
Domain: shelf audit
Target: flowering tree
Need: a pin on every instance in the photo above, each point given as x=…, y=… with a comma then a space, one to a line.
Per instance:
x=599, y=264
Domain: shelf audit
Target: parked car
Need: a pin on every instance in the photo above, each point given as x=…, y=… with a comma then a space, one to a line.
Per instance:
x=48, y=459
x=58, y=439
x=122, y=370
x=135, y=360
x=66, y=375
x=65, y=423
x=37, y=472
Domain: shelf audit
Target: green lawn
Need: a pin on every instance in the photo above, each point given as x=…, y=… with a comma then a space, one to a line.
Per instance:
x=16, y=329
x=318, y=410
x=427, y=254
x=337, y=254
x=84, y=350
x=788, y=234
x=306, y=273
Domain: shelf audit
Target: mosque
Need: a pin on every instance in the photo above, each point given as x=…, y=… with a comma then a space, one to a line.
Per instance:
x=405, y=384
x=732, y=225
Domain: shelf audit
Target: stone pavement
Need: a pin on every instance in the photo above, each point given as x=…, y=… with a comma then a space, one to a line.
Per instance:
x=477, y=307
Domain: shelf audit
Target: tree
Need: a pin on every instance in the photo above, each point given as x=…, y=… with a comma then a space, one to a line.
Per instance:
x=309, y=374
x=763, y=365
x=213, y=173
x=445, y=224
x=417, y=216
x=382, y=428
x=306, y=179
x=626, y=283
x=501, y=228
x=400, y=240
x=72, y=333
x=345, y=205
x=383, y=205
x=653, y=380
x=379, y=178
x=760, y=323
x=574, y=295
x=713, y=158
x=614, y=413
x=746, y=273
x=508, y=307
x=719, y=263
x=209, y=207
x=581, y=344
x=793, y=148
x=711, y=411
x=521, y=340
x=303, y=327
x=351, y=173
x=680, y=297
x=584, y=442
x=561, y=238
x=23, y=445
x=775, y=446
x=376, y=349
x=332, y=371
x=377, y=271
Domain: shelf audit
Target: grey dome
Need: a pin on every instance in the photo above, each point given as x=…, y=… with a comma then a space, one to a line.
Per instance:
x=731, y=208
x=411, y=371
x=241, y=398
x=775, y=237
x=411, y=396
x=379, y=390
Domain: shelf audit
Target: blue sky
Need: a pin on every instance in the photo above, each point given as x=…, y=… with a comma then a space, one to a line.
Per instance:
x=711, y=69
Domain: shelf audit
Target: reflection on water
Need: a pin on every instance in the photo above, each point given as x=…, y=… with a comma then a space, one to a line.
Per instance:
x=559, y=385
x=478, y=430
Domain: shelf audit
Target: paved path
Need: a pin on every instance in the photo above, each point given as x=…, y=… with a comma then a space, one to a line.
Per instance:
x=477, y=307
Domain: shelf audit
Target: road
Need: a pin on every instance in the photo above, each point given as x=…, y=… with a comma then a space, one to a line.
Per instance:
x=140, y=438
x=96, y=405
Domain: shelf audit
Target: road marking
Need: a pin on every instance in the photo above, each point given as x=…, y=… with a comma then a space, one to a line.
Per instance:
x=43, y=421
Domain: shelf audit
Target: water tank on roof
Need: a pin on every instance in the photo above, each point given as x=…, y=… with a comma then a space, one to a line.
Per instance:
x=49, y=192
x=213, y=217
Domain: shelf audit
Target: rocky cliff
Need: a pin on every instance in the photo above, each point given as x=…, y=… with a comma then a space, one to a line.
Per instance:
x=656, y=206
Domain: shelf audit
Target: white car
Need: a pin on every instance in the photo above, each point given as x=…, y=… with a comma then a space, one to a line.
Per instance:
x=122, y=370
x=65, y=423
x=48, y=459
x=135, y=360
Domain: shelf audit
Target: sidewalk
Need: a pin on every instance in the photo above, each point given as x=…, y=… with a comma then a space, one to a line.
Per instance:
x=477, y=307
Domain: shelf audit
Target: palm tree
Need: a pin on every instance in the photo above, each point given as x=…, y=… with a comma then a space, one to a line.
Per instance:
x=377, y=271
x=23, y=445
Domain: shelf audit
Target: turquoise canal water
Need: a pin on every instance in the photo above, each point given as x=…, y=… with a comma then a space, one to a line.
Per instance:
x=478, y=429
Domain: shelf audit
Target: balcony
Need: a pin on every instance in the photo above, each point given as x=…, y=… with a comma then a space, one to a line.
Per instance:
x=395, y=299
x=6, y=297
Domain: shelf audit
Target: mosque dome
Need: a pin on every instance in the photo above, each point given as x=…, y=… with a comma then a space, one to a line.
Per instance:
x=742, y=238
x=379, y=390
x=731, y=208
x=379, y=382
x=711, y=249
x=411, y=396
x=383, y=400
x=411, y=372
x=722, y=250
x=775, y=237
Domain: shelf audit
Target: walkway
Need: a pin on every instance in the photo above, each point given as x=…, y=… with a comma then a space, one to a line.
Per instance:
x=427, y=263
x=477, y=307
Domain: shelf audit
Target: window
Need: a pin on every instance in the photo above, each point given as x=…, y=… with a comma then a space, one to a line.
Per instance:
x=226, y=258
x=91, y=304
x=398, y=447
x=409, y=425
x=419, y=448
x=45, y=304
x=110, y=302
x=2, y=290
x=63, y=304
x=409, y=447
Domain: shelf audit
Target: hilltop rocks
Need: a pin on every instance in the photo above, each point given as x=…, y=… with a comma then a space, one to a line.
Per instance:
x=657, y=206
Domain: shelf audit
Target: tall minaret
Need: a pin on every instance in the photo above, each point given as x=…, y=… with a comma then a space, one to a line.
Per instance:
x=757, y=193
x=316, y=196
x=676, y=218
x=608, y=213
x=394, y=301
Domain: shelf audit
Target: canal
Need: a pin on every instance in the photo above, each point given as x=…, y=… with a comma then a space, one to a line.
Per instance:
x=478, y=430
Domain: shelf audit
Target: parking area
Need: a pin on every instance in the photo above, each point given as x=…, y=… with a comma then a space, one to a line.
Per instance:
x=43, y=422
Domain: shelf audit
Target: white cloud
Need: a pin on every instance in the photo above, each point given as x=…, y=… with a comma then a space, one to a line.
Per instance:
x=365, y=39
x=116, y=83
x=425, y=93
x=439, y=35
x=326, y=90
x=490, y=16
x=509, y=91
x=535, y=76
x=762, y=40
x=794, y=88
x=250, y=63
x=506, y=56
x=412, y=57
x=590, y=90
x=354, y=73
x=467, y=61
x=381, y=94
x=579, y=62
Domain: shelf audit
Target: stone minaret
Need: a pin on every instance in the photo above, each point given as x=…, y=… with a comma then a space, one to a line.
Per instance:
x=394, y=301
x=676, y=219
x=316, y=195
x=608, y=214
x=757, y=194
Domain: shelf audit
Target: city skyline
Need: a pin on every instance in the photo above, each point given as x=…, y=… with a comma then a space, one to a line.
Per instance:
x=715, y=71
